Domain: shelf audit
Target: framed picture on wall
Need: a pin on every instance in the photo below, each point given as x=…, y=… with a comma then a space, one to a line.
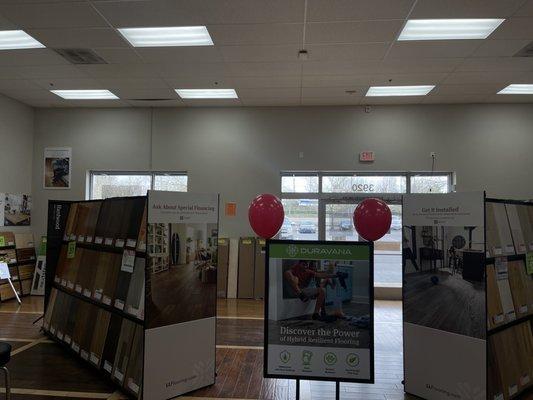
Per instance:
x=57, y=167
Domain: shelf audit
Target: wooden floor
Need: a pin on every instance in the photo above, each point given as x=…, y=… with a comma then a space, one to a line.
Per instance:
x=42, y=371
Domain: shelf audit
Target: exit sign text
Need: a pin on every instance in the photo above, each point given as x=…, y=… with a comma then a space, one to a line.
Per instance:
x=366, y=156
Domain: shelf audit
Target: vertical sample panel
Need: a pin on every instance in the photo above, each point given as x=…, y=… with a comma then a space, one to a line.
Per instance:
x=245, y=287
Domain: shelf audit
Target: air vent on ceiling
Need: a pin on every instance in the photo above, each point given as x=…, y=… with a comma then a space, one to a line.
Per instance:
x=526, y=51
x=81, y=56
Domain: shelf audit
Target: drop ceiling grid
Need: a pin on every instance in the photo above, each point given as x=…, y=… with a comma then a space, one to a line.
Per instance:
x=351, y=43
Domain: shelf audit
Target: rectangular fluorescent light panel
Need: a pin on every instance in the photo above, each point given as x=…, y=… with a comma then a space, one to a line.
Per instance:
x=13, y=40
x=99, y=94
x=168, y=36
x=422, y=90
x=449, y=29
x=517, y=89
x=207, y=93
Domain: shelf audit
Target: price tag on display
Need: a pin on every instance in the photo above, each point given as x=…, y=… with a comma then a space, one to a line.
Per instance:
x=106, y=300
x=107, y=366
x=67, y=339
x=108, y=242
x=529, y=263
x=98, y=240
x=86, y=292
x=60, y=335
x=78, y=288
x=81, y=238
x=509, y=248
x=84, y=355
x=119, y=375
x=94, y=359
x=133, y=386
x=98, y=294
x=89, y=239
x=522, y=248
x=2, y=241
x=497, y=251
x=71, y=249
x=128, y=261
x=119, y=304
x=131, y=243
x=513, y=389
x=75, y=347
x=63, y=282
x=119, y=243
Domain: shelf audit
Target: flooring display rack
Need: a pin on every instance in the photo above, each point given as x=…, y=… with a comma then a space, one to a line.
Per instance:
x=18, y=252
x=98, y=292
x=509, y=243
x=485, y=320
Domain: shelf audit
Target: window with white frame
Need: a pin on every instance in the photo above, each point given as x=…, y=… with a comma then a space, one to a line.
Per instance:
x=105, y=184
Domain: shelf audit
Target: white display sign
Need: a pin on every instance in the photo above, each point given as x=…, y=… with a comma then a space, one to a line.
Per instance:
x=4, y=271
x=182, y=208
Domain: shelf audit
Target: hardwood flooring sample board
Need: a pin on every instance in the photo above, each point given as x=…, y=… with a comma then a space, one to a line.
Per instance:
x=110, y=286
x=502, y=346
x=102, y=225
x=62, y=265
x=9, y=238
x=72, y=316
x=222, y=267
x=87, y=271
x=519, y=288
x=24, y=240
x=57, y=312
x=111, y=343
x=245, y=283
x=124, y=278
x=82, y=325
x=141, y=239
x=102, y=269
x=135, y=297
x=71, y=221
x=504, y=230
x=99, y=337
x=494, y=247
x=259, y=273
x=506, y=297
x=494, y=375
x=516, y=228
x=89, y=225
x=122, y=357
x=87, y=335
x=50, y=308
x=134, y=373
x=526, y=223
x=494, y=304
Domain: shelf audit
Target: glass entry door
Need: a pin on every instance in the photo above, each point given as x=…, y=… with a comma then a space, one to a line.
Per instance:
x=336, y=224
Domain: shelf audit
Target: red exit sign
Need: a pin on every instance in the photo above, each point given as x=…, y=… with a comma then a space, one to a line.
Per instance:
x=366, y=156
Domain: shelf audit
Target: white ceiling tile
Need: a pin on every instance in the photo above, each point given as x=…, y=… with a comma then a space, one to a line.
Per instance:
x=455, y=99
x=53, y=15
x=162, y=55
x=125, y=14
x=349, y=81
x=260, y=53
x=189, y=69
x=72, y=83
x=10, y=73
x=6, y=25
x=353, y=32
x=481, y=77
x=262, y=69
x=133, y=83
x=265, y=93
x=526, y=10
x=270, y=102
x=337, y=10
x=31, y=57
x=435, y=49
x=252, y=11
x=465, y=8
x=156, y=103
x=466, y=89
x=412, y=65
x=345, y=52
x=50, y=71
x=78, y=37
x=496, y=63
x=336, y=92
x=276, y=81
x=18, y=84
x=199, y=82
x=256, y=34
x=129, y=93
x=500, y=48
x=392, y=100
x=119, y=70
x=331, y=101
x=119, y=55
x=510, y=98
x=339, y=68
x=212, y=103
x=515, y=28
x=94, y=103
x=23, y=94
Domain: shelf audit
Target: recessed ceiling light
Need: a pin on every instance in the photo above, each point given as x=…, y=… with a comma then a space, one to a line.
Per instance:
x=517, y=89
x=98, y=94
x=12, y=40
x=207, y=93
x=168, y=36
x=420, y=90
x=449, y=29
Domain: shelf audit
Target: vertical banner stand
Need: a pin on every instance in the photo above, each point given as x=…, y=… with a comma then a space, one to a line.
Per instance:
x=14, y=291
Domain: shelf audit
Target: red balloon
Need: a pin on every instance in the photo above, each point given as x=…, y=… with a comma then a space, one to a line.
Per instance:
x=372, y=219
x=266, y=215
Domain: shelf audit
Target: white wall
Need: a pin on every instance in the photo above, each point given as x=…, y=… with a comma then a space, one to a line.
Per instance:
x=239, y=152
x=16, y=156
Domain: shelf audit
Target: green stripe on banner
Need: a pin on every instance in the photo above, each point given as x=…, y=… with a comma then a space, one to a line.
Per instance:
x=319, y=251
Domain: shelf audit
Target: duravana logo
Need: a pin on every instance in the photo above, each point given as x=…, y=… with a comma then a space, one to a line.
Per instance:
x=293, y=251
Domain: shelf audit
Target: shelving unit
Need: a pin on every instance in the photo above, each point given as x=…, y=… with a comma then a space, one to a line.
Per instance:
x=509, y=298
x=19, y=254
x=158, y=247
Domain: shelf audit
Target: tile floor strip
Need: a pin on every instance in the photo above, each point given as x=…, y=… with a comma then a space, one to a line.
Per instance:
x=27, y=346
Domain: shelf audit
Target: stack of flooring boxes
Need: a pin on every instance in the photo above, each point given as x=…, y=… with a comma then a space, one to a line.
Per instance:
x=96, y=302
x=509, y=298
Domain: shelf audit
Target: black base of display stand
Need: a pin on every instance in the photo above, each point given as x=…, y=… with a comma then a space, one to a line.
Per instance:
x=337, y=390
